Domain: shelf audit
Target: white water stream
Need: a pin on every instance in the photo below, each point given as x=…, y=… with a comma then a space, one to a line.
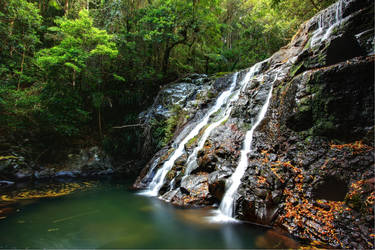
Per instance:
x=225, y=212
x=159, y=178
x=191, y=163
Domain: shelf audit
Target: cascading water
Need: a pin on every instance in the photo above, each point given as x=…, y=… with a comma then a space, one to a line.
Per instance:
x=225, y=212
x=192, y=160
x=159, y=178
x=327, y=21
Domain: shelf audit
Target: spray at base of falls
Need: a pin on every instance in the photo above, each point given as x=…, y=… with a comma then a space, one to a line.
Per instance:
x=225, y=212
x=159, y=178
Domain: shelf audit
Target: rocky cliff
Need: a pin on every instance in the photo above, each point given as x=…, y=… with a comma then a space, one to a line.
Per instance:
x=310, y=167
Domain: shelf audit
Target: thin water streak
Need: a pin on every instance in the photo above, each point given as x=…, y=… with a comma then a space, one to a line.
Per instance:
x=327, y=22
x=225, y=212
x=192, y=160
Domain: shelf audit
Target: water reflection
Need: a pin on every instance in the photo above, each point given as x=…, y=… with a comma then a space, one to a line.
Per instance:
x=108, y=216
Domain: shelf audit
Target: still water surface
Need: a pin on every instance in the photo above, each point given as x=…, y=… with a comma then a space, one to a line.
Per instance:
x=107, y=215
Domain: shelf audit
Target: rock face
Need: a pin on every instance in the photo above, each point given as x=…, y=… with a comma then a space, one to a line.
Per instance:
x=311, y=168
x=87, y=163
x=184, y=103
x=180, y=103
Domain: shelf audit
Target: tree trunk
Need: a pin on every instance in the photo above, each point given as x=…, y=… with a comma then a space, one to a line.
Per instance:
x=66, y=8
x=74, y=78
x=206, y=66
x=10, y=34
x=314, y=4
x=100, y=123
x=21, y=71
x=167, y=53
x=235, y=64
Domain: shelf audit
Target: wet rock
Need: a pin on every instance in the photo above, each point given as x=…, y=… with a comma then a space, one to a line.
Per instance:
x=193, y=192
x=276, y=196
x=216, y=182
x=67, y=173
x=184, y=190
x=6, y=183
x=261, y=193
x=336, y=51
x=206, y=163
x=181, y=161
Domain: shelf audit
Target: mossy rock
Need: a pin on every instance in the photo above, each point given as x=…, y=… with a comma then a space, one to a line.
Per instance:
x=171, y=174
x=220, y=74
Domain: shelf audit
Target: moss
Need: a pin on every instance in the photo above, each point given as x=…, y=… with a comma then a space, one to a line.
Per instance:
x=304, y=108
x=163, y=131
x=211, y=94
x=191, y=141
x=296, y=69
x=246, y=126
x=216, y=114
x=318, y=60
x=336, y=30
x=171, y=125
x=307, y=45
x=225, y=121
x=308, y=139
x=323, y=127
x=220, y=74
x=171, y=174
x=174, y=121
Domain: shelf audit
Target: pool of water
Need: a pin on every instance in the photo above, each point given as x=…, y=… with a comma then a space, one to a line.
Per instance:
x=106, y=215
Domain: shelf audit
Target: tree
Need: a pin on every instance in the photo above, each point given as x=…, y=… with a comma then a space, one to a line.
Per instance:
x=19, y=25
x=76, y=65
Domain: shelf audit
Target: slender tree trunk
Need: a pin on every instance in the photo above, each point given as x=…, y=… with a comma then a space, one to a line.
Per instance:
x=66, y=8
x=74, y=78
x=235, y=64
x=100, y=123
x=100, y=88
x=10, y=34
x=166, y=60
x=21, y=70
x=206, y=66
x=314, y=4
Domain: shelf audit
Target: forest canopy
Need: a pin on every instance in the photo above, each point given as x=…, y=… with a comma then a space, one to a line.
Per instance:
x=76, y=67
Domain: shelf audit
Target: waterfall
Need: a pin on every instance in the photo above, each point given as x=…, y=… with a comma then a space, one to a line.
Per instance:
x=191, y=163
x=159, y=178
x=225, y=211
x=327, y=21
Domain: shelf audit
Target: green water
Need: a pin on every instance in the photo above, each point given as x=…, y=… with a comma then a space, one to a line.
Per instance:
x=110, y=216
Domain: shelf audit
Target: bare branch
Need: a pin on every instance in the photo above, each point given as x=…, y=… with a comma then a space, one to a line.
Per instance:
x=129, y=126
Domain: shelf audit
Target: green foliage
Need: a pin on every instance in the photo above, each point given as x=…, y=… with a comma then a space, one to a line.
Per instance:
x=80, y=42
x=96, y=64
x=19, y=26
x=81, y=59
x=64, y=109
x=124, y=142
x=19, y=108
